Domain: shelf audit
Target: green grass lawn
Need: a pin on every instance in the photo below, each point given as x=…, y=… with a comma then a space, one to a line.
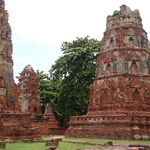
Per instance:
x=102, y=141
x=67, y=145
x=25, y=146
x=72, y=146
x=41, y=146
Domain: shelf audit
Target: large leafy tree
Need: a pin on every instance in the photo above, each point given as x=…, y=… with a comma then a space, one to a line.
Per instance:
x=75, y=72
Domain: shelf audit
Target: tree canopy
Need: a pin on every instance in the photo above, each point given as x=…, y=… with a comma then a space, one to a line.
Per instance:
x=66, y=86
x=48, y=89
x=74, y=71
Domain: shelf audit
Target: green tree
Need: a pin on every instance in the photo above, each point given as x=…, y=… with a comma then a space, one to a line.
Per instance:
x=76, y=70
x=48, y=89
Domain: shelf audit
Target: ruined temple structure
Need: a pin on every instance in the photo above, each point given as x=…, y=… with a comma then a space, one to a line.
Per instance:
x=49, y=115
x=29, y=91
x=119, y=106
x=7, y=84
x=16, y=124
x=29, y=100
x=49, y=124
x=20, y=110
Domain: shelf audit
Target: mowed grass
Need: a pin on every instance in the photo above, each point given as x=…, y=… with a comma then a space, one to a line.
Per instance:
x=102, y=141
x=41, y=146
x=25, y=146
x=72, y=146
x=66, y=145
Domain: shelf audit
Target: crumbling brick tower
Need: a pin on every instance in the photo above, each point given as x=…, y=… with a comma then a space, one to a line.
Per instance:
x=7, y=94
x=14, y=124
x=29, y=91
x=119, y=106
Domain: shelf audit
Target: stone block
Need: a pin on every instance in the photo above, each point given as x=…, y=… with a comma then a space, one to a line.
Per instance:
x=110, y=143
x=137, y=137
x=51, y=143
x=146, y=137
x=2, y=145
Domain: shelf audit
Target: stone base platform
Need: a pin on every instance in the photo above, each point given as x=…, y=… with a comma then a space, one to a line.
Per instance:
x=111, y=125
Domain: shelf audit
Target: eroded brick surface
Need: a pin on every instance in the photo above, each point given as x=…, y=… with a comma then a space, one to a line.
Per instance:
x=119, y=106
x=6, y=62
x=20, y=111
x=29, y=91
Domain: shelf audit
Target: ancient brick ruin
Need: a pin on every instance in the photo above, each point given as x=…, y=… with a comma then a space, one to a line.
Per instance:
x=49, y=125
x=20, y=110
x=119, y=106
x=29, y=91
x=16, y=124
x=6, y=63
x=29, y=101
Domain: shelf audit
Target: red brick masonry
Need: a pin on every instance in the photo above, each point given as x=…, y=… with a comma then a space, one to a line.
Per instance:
x=119, y=106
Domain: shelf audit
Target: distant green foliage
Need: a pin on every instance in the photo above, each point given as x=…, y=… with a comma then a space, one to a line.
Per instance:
x=125, y=16
x=143, y=30
x=125, y=27
x=116, y=13
x=139, y=17
x=48, y=89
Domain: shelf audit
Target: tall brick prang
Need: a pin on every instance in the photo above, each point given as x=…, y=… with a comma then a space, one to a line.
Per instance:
x=119, y=106
x=6, y=63
x=20, y=109
x=29, y=91
x=14, y=124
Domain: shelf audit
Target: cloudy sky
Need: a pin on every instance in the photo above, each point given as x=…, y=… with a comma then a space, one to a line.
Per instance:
x=40, y=26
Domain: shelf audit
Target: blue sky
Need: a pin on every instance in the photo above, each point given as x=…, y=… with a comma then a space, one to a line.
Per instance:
x=40, y=27
x=40, y=55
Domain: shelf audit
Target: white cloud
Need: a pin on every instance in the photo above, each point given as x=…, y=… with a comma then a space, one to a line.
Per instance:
x=55, y=21
x=23, y=59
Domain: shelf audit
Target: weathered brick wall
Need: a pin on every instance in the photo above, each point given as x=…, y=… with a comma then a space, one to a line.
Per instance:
x=2, y=135
x=119, y=106
x=47, y=123
x=18, y=126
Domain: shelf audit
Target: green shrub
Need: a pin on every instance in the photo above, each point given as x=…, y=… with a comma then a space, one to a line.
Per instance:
x=139, y=17
x=116, y=13
x=125, y=27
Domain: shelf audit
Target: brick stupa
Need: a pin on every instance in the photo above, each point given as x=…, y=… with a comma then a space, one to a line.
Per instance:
x=29, y=91
x=119, y=106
